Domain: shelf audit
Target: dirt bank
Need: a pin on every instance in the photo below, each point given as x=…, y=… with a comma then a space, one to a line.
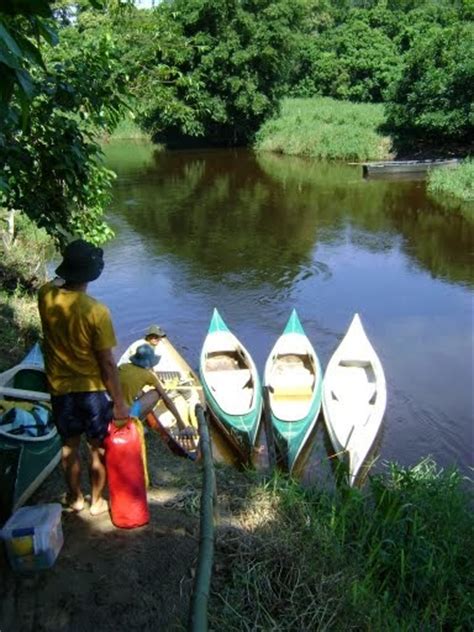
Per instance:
x=112, y=579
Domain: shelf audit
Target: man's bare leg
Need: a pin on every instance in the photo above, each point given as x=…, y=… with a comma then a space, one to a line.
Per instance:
x=98, y=477
x=72, y=472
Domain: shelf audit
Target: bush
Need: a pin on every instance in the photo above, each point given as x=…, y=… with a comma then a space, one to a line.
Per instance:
x=433, y=100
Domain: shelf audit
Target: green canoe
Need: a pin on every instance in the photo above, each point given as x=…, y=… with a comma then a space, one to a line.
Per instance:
x=25, y=460
x=231, y=385
x=293, y=379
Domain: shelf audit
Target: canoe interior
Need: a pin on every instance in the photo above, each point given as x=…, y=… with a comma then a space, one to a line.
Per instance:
x=24, y=381
x=352, y=398
x=230, y=380
x=292, y=381
x=183, y=387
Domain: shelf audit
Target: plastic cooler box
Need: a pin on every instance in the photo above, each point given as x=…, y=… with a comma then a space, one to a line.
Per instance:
x=33, y=537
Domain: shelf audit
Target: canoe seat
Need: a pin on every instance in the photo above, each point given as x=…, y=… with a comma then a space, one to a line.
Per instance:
x=225, y=380
x=233, y=390
x=292, y=384
x=292, y=392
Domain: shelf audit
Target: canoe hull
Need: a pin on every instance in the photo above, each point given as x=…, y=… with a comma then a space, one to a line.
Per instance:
x=233, y=394
x=25, y=461
x=293, y=373
x=24, y=464
x=401, y=167
x=354, y=398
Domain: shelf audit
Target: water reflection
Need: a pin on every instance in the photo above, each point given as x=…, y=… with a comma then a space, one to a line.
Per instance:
x=257, y=235
x=217, y=209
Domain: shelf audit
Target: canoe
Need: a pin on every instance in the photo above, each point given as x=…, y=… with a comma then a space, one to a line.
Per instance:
x=184, y=388
x=25, y=461
x=354, y=397
x=27, y=379
x=231, y=386
x=293, y=379
x=405, y=166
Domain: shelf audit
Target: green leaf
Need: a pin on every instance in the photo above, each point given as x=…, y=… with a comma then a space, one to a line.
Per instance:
x=49, y=33
x=7, y=58
x=7, y=38
x=25, y=82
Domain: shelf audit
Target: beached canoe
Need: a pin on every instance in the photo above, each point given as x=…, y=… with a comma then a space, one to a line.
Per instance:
x=395, y=167
x=231, y=385
x=25, y=460
x=184, y=388
x=27, y=379
x=354, y=397
x=293, y=379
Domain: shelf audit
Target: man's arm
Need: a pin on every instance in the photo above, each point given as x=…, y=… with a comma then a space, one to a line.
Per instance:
x=110, y=378
x=169, y=404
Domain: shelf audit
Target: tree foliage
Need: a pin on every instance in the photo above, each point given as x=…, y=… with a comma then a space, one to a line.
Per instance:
x=355, y=60
x=434, y=98
x=209, y=69
x=55, y=105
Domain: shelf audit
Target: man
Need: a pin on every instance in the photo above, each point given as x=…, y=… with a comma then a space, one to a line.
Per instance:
x=154, y=336
x=80, y=367
x=137, y=376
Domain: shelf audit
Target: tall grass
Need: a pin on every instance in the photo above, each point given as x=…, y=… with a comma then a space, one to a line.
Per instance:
x=396, y=558
x=326, y=129
x=128, y=129
x=454, y=187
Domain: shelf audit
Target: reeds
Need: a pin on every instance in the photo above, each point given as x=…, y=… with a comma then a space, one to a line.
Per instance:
x=326, y=129
x=454, y=187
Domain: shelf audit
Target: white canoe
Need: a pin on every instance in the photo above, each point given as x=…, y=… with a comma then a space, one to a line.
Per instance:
x=354, y=397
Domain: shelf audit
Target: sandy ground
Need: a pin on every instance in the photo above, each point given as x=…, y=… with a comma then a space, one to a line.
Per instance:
x=112, y=579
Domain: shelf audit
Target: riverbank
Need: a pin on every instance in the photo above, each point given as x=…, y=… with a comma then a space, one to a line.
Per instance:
x=395, y=557
x=454, y=188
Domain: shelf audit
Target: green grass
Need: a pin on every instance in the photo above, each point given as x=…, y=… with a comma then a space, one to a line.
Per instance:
x=128, y=129
x=454, y=188
x=398, y=557
x=326, y=129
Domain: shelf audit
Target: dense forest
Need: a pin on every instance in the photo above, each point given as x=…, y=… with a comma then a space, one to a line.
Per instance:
x=207, y=73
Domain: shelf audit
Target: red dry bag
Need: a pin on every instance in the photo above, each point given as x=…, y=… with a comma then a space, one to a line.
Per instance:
x=126, y=476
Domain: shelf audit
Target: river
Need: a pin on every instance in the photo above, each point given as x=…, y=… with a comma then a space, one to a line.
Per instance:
x=256, y=236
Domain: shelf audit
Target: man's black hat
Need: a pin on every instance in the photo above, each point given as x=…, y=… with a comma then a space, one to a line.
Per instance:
x=82, y=262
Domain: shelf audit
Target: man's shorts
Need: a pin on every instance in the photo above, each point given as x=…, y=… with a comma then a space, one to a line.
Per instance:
x=78, y=413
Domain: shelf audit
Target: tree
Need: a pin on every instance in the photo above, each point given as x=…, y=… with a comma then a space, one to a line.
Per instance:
x=210, y=70
x=355, y=58
x=52, y=109
x=433, y=99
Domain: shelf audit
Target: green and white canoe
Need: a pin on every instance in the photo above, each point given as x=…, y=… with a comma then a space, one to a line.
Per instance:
x=293, y=379
x=231, y=385
x=25, y=461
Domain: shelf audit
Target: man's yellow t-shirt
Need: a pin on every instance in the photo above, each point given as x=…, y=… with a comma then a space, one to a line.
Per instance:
x=133, y=379
x=75, y=325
